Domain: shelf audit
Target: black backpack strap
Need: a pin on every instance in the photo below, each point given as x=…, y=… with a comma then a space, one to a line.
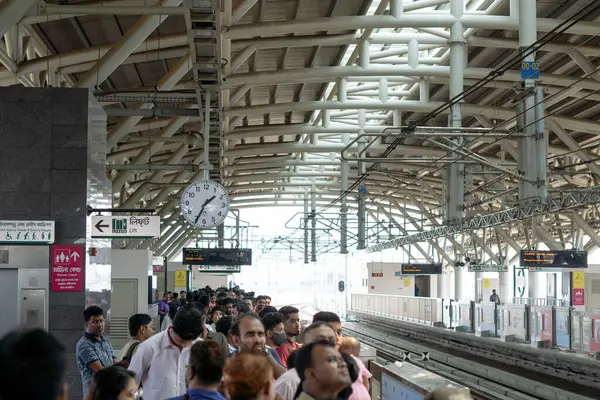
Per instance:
x=130, y=351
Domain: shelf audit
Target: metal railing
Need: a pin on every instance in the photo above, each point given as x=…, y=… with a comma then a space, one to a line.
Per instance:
x=545, y=325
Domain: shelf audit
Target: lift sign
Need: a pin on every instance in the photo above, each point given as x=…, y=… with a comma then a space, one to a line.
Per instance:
x=530, y=70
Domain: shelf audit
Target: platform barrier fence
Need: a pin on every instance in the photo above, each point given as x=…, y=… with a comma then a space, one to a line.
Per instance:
x=541, y=325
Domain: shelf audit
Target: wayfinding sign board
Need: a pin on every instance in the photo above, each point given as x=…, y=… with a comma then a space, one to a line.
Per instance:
x=488, y=268
x=220, y=269
x=26, y=232
x=67, y=269
x=212, y=257
x=554, y=258
x=144, y=227
x=421, y=269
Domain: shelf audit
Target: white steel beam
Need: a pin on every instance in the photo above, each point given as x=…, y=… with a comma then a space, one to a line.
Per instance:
x=120, y=51
x=11, y=11
x=166, y=83
x=407, y=20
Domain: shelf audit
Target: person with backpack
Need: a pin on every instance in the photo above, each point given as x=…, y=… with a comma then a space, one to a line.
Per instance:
x=140, y=329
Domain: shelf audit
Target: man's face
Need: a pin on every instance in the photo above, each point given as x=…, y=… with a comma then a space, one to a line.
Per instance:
x=292, y=325
x=268, y=301
x=147, y=330
x=329, y=368
x=324, y=332
x=213, y=299
x=260, y=305
x=252, y=336
x=229, y=308
x=249, y=302
x=95, y=326
x=337, y=327
x=182, y=295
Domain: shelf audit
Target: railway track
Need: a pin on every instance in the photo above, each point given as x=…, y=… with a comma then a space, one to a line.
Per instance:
x=485, y=382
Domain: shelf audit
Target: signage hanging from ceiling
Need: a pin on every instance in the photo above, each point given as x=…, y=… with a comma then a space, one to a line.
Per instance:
x=144, y=227
x=220, y=269
x=421, y=269
x=192, y=256
x=488, y=268
x=554, y=258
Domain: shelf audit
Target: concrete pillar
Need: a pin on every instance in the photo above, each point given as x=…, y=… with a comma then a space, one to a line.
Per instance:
x=478, y=276
x=458, y=283
x=45, y=174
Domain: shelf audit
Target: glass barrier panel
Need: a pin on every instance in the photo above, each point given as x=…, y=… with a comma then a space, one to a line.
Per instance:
x=576, y=330
x=562, y=327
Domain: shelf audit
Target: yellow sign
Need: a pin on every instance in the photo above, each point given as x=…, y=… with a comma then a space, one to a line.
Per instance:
x=486, y=283
x=181, y=278
x=578, y=280
x=406, y=282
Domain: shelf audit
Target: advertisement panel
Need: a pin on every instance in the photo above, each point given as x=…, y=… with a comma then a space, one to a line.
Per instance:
x=67, y=269
x=546, y=333
x=562, y=329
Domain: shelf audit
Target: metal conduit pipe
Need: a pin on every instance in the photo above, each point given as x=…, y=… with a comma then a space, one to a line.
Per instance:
x=76, y=9
x=152, y=167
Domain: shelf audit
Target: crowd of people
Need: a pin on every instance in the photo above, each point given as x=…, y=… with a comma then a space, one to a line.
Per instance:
x=212, y=345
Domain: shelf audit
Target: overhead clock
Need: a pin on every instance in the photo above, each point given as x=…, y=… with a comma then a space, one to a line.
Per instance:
x=205, y=204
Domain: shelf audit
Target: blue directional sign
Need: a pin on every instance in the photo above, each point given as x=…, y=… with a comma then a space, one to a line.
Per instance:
x=530, y=70
x=362, y=189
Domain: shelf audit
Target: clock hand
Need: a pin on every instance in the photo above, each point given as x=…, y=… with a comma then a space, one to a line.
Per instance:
x=202, y=209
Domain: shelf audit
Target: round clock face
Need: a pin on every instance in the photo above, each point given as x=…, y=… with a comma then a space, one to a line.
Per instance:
x=205, y=204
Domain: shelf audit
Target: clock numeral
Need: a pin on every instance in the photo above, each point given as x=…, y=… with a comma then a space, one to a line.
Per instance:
x=197, y=188
x=189, y=211
x=215, y=189
x=221, y=197
x=203, y=222
x=220, y=214
x=187, y=202
x=206, y=186
x=223, y=205
x=213, y=219
x=191, y=195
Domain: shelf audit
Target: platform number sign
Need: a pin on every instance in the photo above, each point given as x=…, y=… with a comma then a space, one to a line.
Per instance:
x=530, y=70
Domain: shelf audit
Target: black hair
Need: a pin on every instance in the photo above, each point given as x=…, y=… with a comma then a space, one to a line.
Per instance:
x=267, y=310
x=188, y=323
x=204, y=300
x=304, y=357
x=92, y=311
x=316, y=325
x=267, y=297
x=228, y=300
x=242, y=307
x=271, y=320
x=109, y=382
x=136, y=321
x=33, y=363
x=287, y=311
x=207, y=360
x=224, y=324
x=235, y=329
x=327, y=316
x=175, y=295
x=261, y=297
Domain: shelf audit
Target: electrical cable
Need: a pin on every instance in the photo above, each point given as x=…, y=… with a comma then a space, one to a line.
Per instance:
x=558, y=30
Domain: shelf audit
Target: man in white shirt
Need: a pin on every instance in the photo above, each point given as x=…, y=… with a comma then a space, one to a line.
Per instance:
x=160, y=363
x=287, y=384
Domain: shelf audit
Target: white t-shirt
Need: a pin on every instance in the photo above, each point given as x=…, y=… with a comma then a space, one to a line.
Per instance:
x=287, y=384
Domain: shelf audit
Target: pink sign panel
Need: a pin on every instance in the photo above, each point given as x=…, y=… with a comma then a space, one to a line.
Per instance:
x=157, y=268
x=67, y=269
x=578, y=297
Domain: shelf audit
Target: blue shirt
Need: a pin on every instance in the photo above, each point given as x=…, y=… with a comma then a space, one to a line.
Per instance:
x=90, y=349
x=274, y=354
x=201, y=394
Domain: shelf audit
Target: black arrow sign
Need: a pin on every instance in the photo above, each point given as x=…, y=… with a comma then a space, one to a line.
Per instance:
x=99, y=226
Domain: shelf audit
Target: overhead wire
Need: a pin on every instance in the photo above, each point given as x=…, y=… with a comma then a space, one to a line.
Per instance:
x=558, y=30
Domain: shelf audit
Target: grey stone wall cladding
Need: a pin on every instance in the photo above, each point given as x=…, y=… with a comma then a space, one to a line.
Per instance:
x=43, y=175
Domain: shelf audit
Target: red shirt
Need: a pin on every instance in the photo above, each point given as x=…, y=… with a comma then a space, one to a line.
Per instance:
x=285, y=349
